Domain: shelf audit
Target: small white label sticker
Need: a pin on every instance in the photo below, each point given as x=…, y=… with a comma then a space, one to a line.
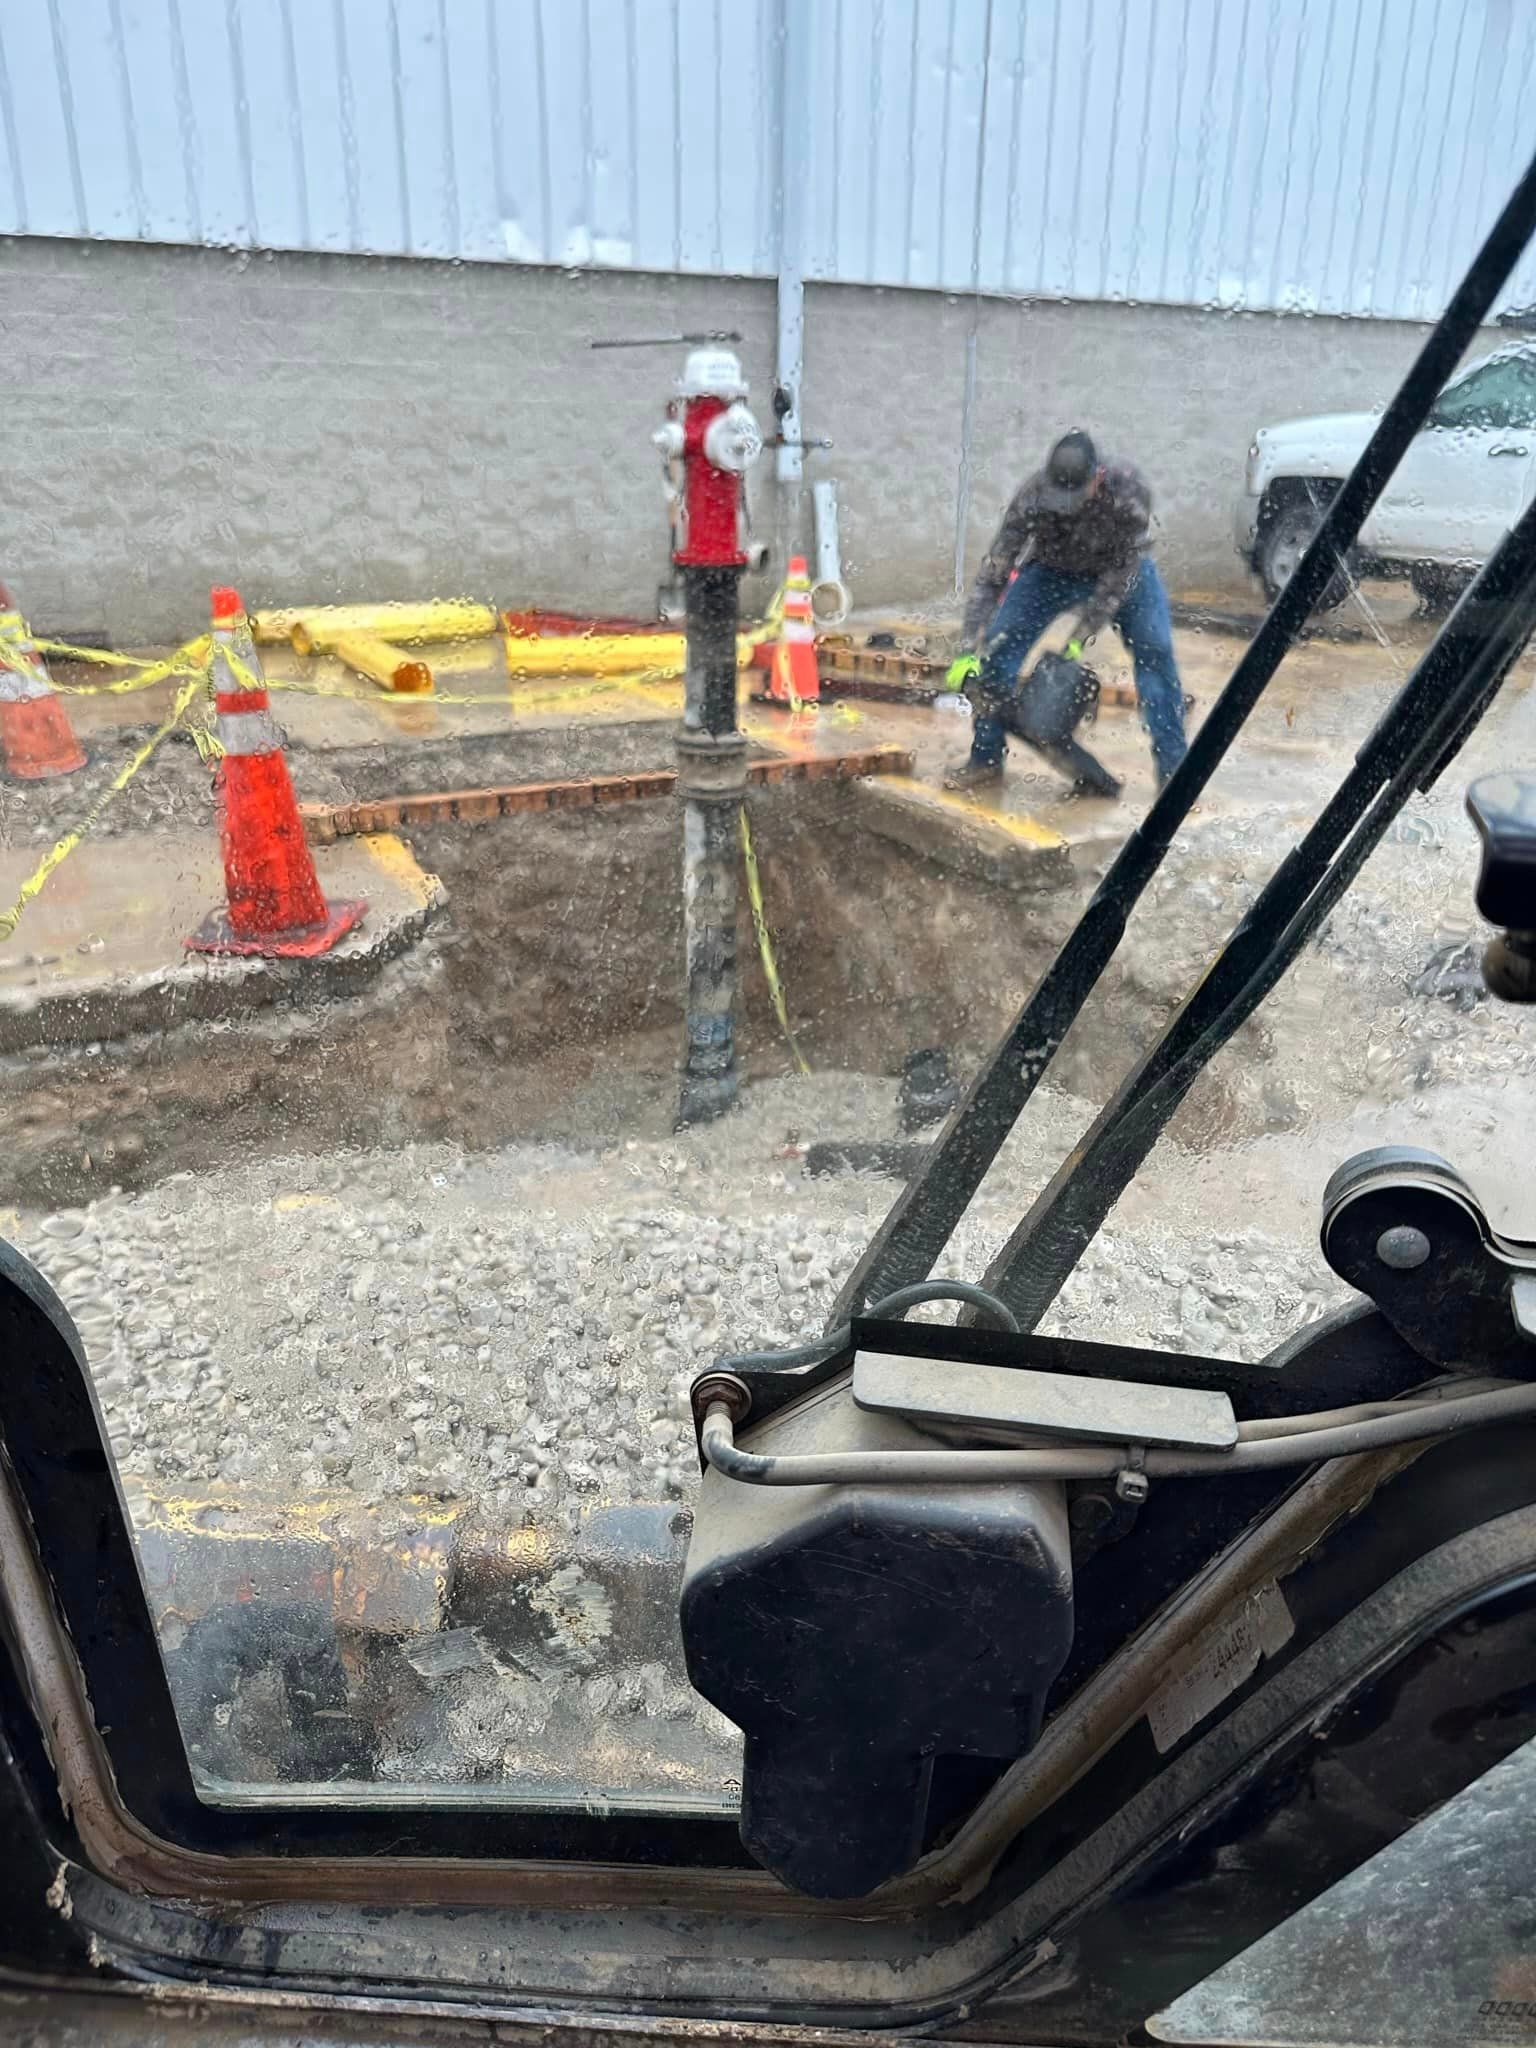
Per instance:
x=1224, y=1658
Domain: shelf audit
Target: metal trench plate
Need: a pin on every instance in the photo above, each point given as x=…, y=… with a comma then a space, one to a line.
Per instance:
x=1432, y=1941
x=1004, y=1402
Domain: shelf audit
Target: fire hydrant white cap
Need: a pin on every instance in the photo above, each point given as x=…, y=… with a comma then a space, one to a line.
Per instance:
x=733, y=440
x=711, y=373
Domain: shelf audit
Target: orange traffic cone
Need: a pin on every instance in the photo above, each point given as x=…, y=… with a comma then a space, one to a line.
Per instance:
x=275, y=901
x=794, y=679
x=35, y=733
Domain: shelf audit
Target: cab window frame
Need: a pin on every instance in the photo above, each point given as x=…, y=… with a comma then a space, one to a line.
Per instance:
x=55, y=1444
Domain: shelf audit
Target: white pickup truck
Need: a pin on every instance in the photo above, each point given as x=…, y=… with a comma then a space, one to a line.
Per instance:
x=1468, y=474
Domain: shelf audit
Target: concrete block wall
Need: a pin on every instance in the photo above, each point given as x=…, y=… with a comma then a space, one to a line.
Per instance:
x=336, y=428
x=1179, y=391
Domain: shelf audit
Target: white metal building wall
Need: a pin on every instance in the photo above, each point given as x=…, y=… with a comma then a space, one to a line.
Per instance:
x=1323, y=155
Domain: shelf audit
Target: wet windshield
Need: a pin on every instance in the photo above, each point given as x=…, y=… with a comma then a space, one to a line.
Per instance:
x=719, y=522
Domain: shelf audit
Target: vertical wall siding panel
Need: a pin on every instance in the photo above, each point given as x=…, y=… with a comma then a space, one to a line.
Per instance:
x=560, y=59
x=606, y=134
x=326, y=150
x=366, y=34
x=1509, y=119
x=877, y=241
x=418, y=101
x=473, y=117
x=958, y=138
x=1306, y=150
x=1338, y=156
x=723, y=155
x=100, y=111
x=514, y=46
x=44, y=130
x=747, y=91
x=654, y=34
x=217, y=119
x=1113, y=242
x=991, y=239
x=928, y=86
x=272, y=130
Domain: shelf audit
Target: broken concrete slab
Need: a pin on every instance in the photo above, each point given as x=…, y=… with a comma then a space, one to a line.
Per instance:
x=100, y=954
x=1010, y=848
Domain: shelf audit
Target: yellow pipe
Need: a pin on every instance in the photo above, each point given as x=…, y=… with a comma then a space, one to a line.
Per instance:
x=656, y=655
x=434, y=619
x=398, y=673
x=597, y=654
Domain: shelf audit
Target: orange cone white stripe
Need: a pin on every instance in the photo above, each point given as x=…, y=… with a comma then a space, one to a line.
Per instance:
x=36, y=738
x=794, y=679
x=275, y=902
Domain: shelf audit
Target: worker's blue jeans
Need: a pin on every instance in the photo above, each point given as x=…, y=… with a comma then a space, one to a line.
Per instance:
x=1035, y=597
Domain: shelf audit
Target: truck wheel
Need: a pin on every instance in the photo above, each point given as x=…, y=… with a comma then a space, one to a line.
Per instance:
x=1286, y=526
x=1436, y=587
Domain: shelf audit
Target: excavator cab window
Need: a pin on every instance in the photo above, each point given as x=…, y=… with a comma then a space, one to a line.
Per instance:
x=765, y=1249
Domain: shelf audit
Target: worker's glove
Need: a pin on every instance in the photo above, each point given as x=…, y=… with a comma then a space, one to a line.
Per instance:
x=1073, y=650
x=961, y=671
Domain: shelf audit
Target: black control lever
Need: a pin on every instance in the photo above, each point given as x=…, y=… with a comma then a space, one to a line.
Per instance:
x=1503, y=808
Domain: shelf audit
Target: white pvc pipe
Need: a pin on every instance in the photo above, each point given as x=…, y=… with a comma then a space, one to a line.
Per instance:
x=797, y=31
x=830, y=601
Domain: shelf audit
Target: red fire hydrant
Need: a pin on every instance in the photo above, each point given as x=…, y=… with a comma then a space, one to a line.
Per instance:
x=708, y=443
x=713, y=438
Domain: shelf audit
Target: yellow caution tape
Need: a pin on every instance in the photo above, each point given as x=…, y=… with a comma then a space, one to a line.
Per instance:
x=62, y=848
x=106, y=657
x=301, y=686
x=195, y=652
x=516, y=700
x=210, y=748
x=765, y=943
x=147, y=673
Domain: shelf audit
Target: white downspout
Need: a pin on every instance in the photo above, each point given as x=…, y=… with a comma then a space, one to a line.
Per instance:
x=796, y=29
x=968, y=401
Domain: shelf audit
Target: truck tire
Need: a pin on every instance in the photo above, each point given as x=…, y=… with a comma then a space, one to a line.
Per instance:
x=1436, y=587
x=1291, y=514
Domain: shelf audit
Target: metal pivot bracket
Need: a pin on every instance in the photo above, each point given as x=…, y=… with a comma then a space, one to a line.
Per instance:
x=1405, y=1228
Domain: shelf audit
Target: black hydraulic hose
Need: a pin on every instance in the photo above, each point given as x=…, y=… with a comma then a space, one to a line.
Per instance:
x=1450, y=688
x=925, y=1213
x=896, y=1305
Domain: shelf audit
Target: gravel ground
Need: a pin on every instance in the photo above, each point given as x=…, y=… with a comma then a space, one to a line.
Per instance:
x=521, y=1327
x=516, y=1328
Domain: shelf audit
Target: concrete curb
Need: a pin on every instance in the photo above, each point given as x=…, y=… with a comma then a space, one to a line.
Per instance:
x=1010, y=849
x=325, y=823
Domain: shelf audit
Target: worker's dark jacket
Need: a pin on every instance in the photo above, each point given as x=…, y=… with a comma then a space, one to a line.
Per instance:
x=1105, y=537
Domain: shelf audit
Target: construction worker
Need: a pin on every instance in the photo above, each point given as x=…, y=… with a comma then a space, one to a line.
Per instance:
x=1077, y=534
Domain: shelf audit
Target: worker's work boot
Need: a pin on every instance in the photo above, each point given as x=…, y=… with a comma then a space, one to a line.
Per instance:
x=973, y=776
